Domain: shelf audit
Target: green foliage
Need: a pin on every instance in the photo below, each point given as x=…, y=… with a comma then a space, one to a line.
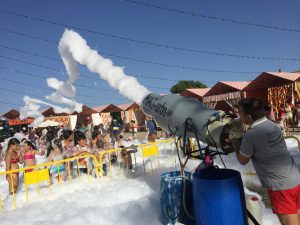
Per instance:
x=185, y=84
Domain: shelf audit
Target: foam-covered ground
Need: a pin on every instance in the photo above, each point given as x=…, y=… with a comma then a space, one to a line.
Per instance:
x=122, y=199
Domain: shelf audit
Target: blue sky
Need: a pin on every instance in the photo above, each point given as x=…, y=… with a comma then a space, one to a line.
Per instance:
x=151, y=25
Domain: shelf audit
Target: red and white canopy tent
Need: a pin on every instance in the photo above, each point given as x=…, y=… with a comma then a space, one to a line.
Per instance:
x=85, y=117
x=132, y=111
x=11, y=114
x=13, y=117
x=197, y=93
x=62, y=118
x=82, y=118
x=275, y=88
x=225, y=94
x=105, y=112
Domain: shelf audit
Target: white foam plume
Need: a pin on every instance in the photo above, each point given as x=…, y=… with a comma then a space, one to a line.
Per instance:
x=79, y=51
x=73, y=50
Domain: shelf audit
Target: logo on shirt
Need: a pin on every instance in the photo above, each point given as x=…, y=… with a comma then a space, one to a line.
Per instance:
x=275, y=138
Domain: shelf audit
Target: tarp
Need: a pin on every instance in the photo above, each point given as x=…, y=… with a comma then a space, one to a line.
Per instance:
x=96, y=119
x=73, y=121
x=19, y=122
x=62, y=120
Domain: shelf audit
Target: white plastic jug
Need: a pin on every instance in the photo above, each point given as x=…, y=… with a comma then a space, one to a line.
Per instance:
x=254, y=205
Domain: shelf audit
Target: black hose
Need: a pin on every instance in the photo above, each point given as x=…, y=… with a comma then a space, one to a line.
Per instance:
x=215, y=146
x=184, y=195
x=252, y=218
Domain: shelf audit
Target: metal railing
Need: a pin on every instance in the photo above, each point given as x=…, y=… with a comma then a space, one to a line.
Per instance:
x=293, y=137
x=40, y=173
x=148, y=150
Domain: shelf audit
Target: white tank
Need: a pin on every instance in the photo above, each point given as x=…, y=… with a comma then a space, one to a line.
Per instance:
x=254, y=205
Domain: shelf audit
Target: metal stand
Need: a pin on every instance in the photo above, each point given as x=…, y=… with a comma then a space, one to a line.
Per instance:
x=204, y=153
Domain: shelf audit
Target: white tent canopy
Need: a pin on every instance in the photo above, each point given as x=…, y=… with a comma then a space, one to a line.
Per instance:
x=96, y=119
x=49, y=123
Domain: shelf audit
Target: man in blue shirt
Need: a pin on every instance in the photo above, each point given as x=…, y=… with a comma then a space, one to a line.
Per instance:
x=152, y=129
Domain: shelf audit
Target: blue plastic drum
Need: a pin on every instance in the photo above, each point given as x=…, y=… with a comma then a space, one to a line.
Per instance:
x=219, y=197
x=171, y=190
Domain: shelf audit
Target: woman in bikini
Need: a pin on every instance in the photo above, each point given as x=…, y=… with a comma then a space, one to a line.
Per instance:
x=288, y=115
x=12, y=158
x=29, y=154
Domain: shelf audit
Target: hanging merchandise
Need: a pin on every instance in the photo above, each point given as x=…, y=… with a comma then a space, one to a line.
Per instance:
x=297, y=91
x=278, y=96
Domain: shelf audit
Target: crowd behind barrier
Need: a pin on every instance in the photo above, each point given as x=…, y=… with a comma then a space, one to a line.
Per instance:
x=94, y=151
x=73, y=154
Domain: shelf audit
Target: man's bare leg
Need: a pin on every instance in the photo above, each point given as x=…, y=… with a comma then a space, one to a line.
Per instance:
x=289, y=219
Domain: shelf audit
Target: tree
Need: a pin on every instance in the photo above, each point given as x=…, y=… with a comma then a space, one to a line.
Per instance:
x=184, y=84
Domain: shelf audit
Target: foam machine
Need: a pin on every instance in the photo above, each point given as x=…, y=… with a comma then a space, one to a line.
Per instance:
x=217, y=195
x=186, y=117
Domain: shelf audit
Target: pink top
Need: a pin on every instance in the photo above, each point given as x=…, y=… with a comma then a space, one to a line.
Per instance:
x=29, y=156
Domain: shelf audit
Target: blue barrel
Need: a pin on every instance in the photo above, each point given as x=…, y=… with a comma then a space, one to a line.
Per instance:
x=171, y=198
x=219, y=197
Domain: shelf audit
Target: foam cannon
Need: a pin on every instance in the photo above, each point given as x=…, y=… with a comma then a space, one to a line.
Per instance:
x=187, y=117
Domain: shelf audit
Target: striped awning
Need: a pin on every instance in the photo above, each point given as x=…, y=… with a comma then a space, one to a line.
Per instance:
x=223, y=97
x=62, y=120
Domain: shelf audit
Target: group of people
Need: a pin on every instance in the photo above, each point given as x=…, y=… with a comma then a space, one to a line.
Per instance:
x=288, y=115
x=57, y=144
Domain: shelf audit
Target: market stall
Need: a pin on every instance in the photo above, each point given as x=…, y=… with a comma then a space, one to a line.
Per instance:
x=275, y=89
x=109, y=112
x=132, y=111
x=197, y=93
x=225, y=95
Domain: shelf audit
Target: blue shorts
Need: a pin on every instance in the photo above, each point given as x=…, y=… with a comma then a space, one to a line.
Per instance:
x=54, y=169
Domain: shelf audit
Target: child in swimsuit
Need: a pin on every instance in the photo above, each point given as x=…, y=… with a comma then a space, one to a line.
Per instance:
x=98, y=148
x=29, y=154
x=80, y=149
x=68, y=146
x=126, y=154
x=55, y=153
x=67, y=143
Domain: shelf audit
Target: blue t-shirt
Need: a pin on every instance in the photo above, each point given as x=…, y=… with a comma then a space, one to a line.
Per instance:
x=151, y=127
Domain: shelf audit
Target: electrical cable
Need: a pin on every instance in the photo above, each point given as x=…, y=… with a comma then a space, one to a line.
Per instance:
x=220, y=19
x=206, y=52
